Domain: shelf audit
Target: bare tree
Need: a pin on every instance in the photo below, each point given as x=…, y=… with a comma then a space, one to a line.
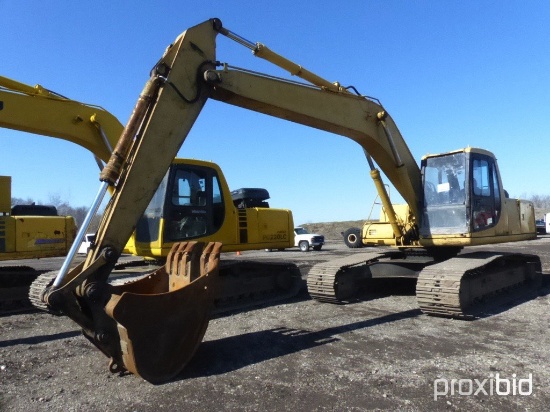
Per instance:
x=541, y=201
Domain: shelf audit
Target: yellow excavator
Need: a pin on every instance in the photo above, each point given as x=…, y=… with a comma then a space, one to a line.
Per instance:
x=152, y=327
x=30, y=231
x=27, y=231
x=193, y=201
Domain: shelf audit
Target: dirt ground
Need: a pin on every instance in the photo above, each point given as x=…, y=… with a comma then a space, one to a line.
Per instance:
x=380, y=353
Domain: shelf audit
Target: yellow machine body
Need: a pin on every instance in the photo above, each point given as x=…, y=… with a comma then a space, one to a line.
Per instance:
x=463, y=204
x=380, y=233
x=206, y=212
x=29, y=236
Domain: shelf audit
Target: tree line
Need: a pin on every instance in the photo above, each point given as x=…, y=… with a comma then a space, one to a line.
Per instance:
x=541, y=202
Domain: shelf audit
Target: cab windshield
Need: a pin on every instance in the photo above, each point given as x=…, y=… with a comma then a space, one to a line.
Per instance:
x=444, y=179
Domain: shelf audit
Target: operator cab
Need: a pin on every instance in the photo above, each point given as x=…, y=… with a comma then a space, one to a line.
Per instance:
x=187, y=204
x=462, y=192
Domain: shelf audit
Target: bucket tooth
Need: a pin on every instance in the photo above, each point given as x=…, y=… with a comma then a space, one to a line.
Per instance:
x=161, y=319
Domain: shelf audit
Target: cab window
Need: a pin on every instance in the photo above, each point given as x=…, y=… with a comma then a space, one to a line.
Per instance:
x=195, y=206
x=485, y=193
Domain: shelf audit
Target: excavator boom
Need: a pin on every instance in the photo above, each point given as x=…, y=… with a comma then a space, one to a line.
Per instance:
x=356, y=117
x=91, y=127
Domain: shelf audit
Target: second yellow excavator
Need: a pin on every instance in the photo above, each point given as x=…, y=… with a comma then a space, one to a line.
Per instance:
x=152, y=327
x=192, y=202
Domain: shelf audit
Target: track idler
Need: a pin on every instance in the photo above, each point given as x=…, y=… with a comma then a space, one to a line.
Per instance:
x=160, y=320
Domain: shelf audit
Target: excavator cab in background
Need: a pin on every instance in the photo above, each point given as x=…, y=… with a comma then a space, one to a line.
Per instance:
x=152, y=327
x=193, y=202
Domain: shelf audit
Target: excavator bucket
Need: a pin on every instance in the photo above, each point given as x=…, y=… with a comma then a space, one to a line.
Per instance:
x=161, y=319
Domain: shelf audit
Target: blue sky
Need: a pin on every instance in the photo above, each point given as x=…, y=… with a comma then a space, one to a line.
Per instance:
x=451, y=74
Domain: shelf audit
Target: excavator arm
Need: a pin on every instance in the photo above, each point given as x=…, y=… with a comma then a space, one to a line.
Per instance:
x=169, y=310
x=150, y=327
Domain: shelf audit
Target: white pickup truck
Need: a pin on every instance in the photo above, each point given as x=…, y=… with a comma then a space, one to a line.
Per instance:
x=86, y=243
x=304, y=240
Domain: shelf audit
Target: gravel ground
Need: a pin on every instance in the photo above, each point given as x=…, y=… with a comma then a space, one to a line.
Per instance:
x=380, y=353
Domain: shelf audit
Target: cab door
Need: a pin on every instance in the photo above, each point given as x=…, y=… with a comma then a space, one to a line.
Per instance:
x=484, y=193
